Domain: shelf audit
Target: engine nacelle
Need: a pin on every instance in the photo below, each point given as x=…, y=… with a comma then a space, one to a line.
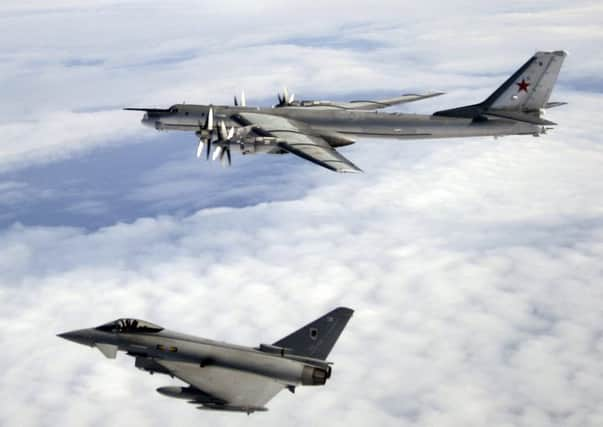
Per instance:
x=315, y=376
x=248, y=147
x=257, y=145
x=336, y=140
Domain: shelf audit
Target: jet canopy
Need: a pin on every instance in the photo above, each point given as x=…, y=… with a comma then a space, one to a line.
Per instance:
x=130, y=326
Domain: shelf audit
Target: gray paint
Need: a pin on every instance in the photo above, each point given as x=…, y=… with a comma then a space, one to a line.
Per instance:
x=223, y=376
x=312, y=129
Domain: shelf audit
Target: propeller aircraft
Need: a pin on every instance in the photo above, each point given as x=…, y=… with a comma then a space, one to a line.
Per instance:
x=313, y=130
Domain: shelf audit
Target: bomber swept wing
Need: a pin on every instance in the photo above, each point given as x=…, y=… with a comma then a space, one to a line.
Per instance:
x=367, y=105
x=297, y=138
x=288, y=100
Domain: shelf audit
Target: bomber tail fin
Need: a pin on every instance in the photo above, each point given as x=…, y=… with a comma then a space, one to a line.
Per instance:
x=523, y=94
x=317, y=338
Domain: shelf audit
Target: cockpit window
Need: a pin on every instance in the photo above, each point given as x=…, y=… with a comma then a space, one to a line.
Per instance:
x=173, y=110
x=129, y=326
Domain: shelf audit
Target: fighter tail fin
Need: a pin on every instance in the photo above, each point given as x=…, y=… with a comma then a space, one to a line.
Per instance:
x=526, y=92
x=317, y=338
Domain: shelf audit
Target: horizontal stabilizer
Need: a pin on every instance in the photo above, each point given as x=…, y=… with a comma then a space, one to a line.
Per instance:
x=519, y=117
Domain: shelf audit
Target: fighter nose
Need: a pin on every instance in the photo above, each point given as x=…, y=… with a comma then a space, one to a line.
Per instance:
x=80, y=337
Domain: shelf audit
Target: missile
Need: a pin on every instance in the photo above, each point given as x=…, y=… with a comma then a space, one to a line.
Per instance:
x=179, y=392
x=188, y=393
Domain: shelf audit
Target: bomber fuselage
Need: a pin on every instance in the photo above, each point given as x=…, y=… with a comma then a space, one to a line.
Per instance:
x=345, y=123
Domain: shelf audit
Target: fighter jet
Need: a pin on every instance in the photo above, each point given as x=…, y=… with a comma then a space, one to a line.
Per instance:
x=222, y=376
x=312, y=130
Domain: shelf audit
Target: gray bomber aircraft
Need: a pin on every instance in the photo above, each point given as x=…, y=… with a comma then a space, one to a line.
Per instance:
x=223, y=376
x=313, y=130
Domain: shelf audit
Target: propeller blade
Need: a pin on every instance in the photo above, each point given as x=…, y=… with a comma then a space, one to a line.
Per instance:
x=243, y=100
x=200, y=148
x=291, y=98
x=208, y=148
x=223, y=133
x=285, y=94
x=223, y=158
x=210, y=119
x=236, y=102
x=217, y=153
x=230, y=134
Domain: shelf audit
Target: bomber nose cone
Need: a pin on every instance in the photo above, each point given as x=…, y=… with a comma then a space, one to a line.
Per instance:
x=80, y=337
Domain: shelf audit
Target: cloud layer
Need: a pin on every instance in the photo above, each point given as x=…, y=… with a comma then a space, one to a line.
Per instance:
x=474, y=266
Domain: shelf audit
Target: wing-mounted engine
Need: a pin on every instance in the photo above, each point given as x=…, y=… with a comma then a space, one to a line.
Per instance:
x=335, y=139
x=259, y=144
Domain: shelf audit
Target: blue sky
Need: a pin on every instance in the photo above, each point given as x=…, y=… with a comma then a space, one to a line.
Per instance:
x=474, y=266
x=146, y=178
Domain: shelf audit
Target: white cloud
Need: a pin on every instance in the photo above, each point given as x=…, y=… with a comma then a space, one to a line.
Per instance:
x=485, y=312
x=474, y=266
x=61, y=134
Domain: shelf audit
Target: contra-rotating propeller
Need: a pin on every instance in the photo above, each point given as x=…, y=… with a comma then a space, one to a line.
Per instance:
x=206, y=134
x=222, y=150
x=243, y=100
x=285, y=99
x=220, y=136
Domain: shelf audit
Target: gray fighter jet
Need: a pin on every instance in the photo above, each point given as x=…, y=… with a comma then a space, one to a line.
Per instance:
x=313, y=130
x=222, y=376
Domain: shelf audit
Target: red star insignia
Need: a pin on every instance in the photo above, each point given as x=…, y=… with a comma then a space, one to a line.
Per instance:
x=523, y=85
